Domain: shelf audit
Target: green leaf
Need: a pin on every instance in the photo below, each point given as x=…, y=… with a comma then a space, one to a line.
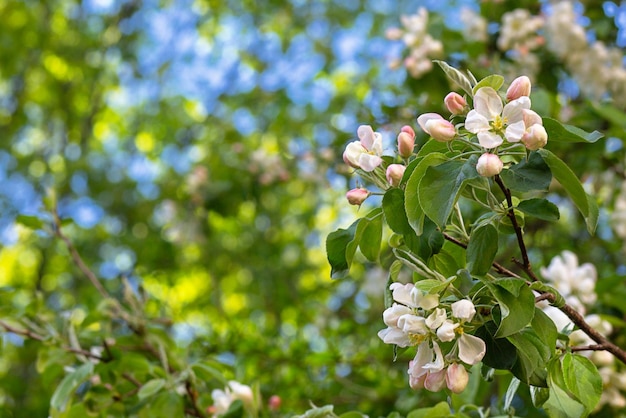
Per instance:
x=318, y=412
x=371, y=236
x=560, y=132
x=582, y=379
x=500, y=354
x=150, y=388
x=560, y=404
x=517, y=310
x=510, y=393
x=166, y=405
x=393, y=208
x=456, y=76
x=494, y=81
x=68, y=386
x=432, y=285
x=32, y=222
x=528, y=175
x=545, y=329
x=532, y=357
x=539, y=396
x=441, y=185
x=352, y=414
x=542, y=287
x=573, y=187
x=440, y=410
x=449, y=260
x=336, y=244
x=413, y=209
x=540, y=208
x=482, y=249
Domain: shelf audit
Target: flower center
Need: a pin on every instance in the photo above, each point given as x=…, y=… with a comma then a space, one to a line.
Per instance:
x=498, y=124
x=416, y=339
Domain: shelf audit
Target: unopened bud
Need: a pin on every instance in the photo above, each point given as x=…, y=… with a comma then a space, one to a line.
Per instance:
x=274, y=403
x=406, y=143
x=395, y=173
x=535, y=137
x=463, y=309
x=435, y=381
x=457, y=378
x=357, y=196
x=408, y=130
x=455, y=103
x=531, y=118
x=489, y=165
x=437, y=127
x=518, y=88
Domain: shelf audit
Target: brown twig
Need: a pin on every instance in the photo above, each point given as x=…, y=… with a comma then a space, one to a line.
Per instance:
x=77, y=258
x=34, y=336
x=525, y=264
x=592, y=347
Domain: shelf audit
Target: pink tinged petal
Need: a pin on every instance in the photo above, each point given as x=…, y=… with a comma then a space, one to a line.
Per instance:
x=394, y=336
x=366, y=136
x=536, y=137
x=394, y=174
x=457, y=378
x=471, y=349
x=357, y=196
x=487, y=102
x=489, y=140
x=514, y=132
x=435, y=381
x=514, y=111
x=377, y=145
x=488, y=165
x=531, y=118
x=440, y=130
x=391, y=315
x=518, y=88
x=369, y=162
x=475, y=122
x=426, y=117
x=352, y=153
x=455, y=103
x=406, y=143
x=417, y=382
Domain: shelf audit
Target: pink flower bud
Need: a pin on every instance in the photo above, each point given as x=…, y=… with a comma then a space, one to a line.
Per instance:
x=457, y=378
x=435, y=381
x=357, y=196
x=455, y=103
x=395, y=173
x=518, y=88
x=406, y=143
x=531, y=118
x=408, y=130
x=274, y=403
x=489, y=165
x=535, y=137
x=437, y=127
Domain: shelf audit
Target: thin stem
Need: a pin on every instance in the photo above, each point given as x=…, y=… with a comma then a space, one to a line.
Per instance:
x=525, y=265
x=77, y=258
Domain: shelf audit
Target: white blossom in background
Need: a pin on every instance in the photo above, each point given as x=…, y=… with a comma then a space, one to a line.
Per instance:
x=474, y=25
x=570, y=279
x=519, y=31
x=618, y=217
x=422, y=47
x=222, y=399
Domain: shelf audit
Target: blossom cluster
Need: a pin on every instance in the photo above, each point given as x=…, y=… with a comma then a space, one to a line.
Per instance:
x=492, y=121
x=420, y=319
x=576, y=283
x=422, y=47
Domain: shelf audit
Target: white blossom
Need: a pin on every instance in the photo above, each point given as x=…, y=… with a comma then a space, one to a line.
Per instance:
x=463, y=309
x=471, y=349
x=492, y=121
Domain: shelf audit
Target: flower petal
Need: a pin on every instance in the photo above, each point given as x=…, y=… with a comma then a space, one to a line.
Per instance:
x=435, y=366
x=366, y=136
x=514, y=111
x=471, y=349
x=423, y=119
x=475, y=122
x=487, y=102
x=514, y=132
x=394, y=336
x=377, y=144
x=369, y=162
x=489, y=139
x=352, y=153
